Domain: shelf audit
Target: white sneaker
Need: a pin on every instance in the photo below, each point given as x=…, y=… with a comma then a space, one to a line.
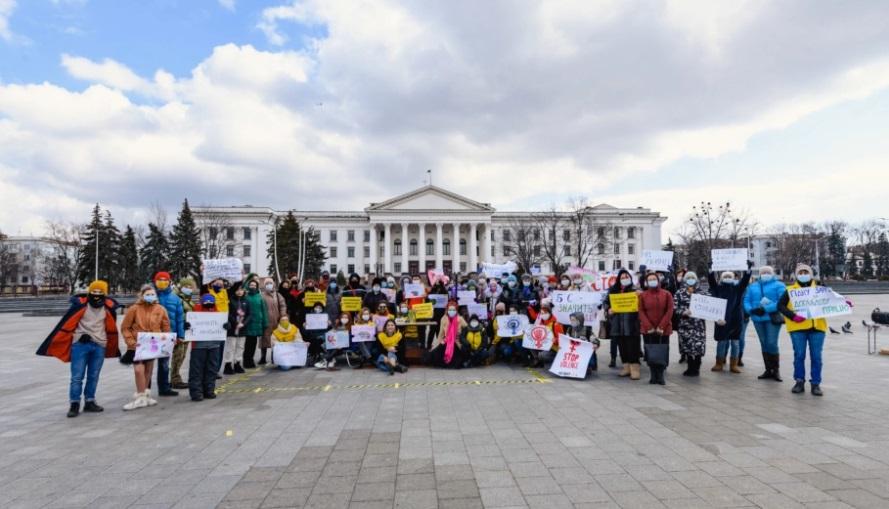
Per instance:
x=331, y=364
x=321, y=364
x=148, y=399
x=139, y=401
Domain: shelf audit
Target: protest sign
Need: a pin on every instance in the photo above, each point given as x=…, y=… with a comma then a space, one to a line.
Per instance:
x=728, y=259
x=535, y=270
x=350, y=304
x=573, y=357
x=336, y=339
x=363, y=333
x=465, y=297
x=440, y=300
x=479, y=310
x=389, y=293
x=565, y=303
x=624, y=302
x=380, y=322
x=311, y=298
x=657, y=260
x=587, y=274
x=154, y=345
x=818, y=302
x=707, y=308
x=205, y=326
x=231, y=269
x=433, y=275
x=316, y=321
x=412, y=290
x=497, y=269
x=538, y=337
x=422, y=311
x=510, y=326
x=290, y=354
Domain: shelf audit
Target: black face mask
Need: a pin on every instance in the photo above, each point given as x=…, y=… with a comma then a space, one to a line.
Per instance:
x=97, y=301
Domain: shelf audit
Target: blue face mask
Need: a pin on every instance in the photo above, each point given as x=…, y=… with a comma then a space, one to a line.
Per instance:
x=186, y=291
x=151, y=299
x=333, y=285
x=803, y=278
x=691, y=282
x=765, y=278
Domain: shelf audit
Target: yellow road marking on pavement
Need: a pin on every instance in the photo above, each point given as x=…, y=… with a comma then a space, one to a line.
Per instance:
x=538, y=376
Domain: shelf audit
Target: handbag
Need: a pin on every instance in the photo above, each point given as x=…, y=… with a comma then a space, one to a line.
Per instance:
x=775, y=316
x=603, y=329
x=657, y=354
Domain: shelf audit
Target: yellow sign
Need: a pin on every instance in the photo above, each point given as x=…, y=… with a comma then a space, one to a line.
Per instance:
x=423, y=311
x=350, y=304
x=313, y=298
x=624, y=302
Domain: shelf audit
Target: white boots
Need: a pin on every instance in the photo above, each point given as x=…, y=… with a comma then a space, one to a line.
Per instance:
x=140, y=400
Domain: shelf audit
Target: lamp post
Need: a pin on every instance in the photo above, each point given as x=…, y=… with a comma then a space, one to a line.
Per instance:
x=274, y=220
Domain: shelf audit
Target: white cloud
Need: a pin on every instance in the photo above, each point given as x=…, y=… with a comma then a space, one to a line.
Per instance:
x=6, y=8
x=227, y=4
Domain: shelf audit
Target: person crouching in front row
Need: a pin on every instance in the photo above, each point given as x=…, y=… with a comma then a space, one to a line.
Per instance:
x=285, y=332
x=474, y=342
x=389, y=339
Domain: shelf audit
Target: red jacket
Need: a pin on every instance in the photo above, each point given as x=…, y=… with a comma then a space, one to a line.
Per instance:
x=656, y=311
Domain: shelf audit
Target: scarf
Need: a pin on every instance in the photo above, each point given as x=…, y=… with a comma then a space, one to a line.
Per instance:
x=451, y=339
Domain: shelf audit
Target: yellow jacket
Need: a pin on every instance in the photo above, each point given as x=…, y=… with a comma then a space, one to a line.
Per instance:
x=286, y=336
x=817, y=323
x=221, y=299
x=474, y=338
x=389, y=341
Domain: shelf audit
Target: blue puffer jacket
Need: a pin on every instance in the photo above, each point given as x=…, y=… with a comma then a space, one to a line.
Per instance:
x=772, y=290
x=173, y=304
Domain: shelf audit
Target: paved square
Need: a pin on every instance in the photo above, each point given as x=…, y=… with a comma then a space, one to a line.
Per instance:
x=492, y=437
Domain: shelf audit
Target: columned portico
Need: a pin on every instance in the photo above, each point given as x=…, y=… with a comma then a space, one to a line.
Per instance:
x=473, y=248
x=421, y=247
x=455, y=248
x=439, y=239
x=405, y=246
x=387, y=249
x=374, y=250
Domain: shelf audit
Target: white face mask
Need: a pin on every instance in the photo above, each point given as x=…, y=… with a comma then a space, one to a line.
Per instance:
x=513, y=312
x=574, y=324
x=626, y=282
x=473, y=323
x=344, y=321
x=365, y=317
x=269, y=287
x=404, y=311
x=652, y=284
x=452, y=313
x=544, y=316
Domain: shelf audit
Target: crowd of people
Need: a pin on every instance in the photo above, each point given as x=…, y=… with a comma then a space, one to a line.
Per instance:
x=262, y=313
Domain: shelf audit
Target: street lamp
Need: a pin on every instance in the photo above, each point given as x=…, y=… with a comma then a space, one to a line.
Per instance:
x=274, y=220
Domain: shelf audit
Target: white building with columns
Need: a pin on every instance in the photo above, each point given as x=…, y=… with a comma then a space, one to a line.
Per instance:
x=428, y=228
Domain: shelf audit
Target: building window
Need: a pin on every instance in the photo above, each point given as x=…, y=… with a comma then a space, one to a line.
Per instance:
x=631, y=265
x=397, y=267
x=507, y=250
x=536, y=234
x=567, y=250
x=247, y=268
x=350, y=235
x=413, y=250
x=229, y=251
x=229, y=234
x=462, y=266
x=566, y=235
x=463, y=247
x=332, y=268
x=350, y=268
x=631, y=249
x=536, y=250
x=332, y=235
x=492, y=236
x=350, y=252
x=367, y=251
x=366, y=268
x=616, y=265
x=213, y=232
x=333, y=252
x=24, y=279
x=616, y=248
x=507, y=235
x=397, y=248
x=367, y=235
x=246, y=250
x=601, y=265
x=446, y=248
x=601, y=250
x=617, y=232
x=430, y=247
x=492, y=250
x=631, y=232
x=247, y=233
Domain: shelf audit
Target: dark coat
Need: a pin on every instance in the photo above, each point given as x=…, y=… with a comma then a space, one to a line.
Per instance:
x=734, y=308
x=621, y=324
x=234, y=305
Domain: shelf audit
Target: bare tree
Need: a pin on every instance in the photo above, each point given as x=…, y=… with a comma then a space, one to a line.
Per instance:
x=214, y=232
x=708, y=228
x=61, y=264
x=158, y=215
x=520, y=244
x=549, y=224
x=583, y=239
x=795, y=244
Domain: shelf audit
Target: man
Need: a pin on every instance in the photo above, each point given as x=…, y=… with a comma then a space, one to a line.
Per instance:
x=85, y=336
x=173, y=304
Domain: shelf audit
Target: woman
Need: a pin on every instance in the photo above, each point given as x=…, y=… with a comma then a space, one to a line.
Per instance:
x=389, y=338
x=364, y=348
x=146, y=315
x=624, y=327
x=204, y=361
x=238, y=318
x=445, y=352
x=692, y=331
x=656, y=322
x=761, y=303
x=545, y=317
x=474, y=341
x=257, y=325
x=343, y=324
x=276, y=307
x=728, y=331
x=286, y=332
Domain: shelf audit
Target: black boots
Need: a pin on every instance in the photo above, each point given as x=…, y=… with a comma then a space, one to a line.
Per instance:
x=799, y=387
x=262, y=353
x=682, y=359
x=91, y=406
x=776, y=367
x=228, y=369
x=238, y=368
x=694, y=366
x=771, y=372
x=816, y=390
x=74, y=410
x=657, y=374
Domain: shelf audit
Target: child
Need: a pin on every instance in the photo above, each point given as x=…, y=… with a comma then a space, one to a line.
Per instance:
x=579, y=330
x=286, y=332
x=146, y=315
x=545, y=317
x=204, y=362
x=389, y=338
x=238, y=318
x=475, y=343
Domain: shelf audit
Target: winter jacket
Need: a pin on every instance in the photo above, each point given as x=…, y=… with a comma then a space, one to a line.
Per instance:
x=551, y=323
x=58, y=343
x=443, y=330
x=772, y=290
x=734, y=308
x=238, y=308
x=276, y=307
x=332, y=304
x=143, y=317
x=621, y=324
x=259, y=314
x=656, y=311
x=786, y=309
x=173, y=304
x=372, y=300
x=474, y=339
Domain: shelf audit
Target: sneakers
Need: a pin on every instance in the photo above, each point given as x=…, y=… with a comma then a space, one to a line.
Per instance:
x=91, y=406
x=799, y=387
x=74, y=410
x=816, y=390
x=148, y=399
x=331, y=364
x=322, y=364
x=139, y=401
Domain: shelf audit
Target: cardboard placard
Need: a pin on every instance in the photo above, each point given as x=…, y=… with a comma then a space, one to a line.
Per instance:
x=479, y=310
x=439, y=300
x=291, y=354
x=818, y=302
x=510, y=326
x=465, y=297
x=390, y=294
x=230, y=269
x=154, y=345
x=657, y=260
x=624, y=302
x=565, y=303
x=413, y=290
x=728, y=259
x=350, y=304
x=316, y=321
x=205, y=326
x=497, y=270
x=573, y=358
x=423, y=311
x=380, y=321
x=363, y=333
x=336, y=339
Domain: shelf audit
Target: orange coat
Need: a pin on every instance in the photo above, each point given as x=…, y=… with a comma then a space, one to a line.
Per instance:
x=143, y=317
x=58, y=343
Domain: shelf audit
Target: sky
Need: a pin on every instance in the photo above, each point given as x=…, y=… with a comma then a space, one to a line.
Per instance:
x=781, y=108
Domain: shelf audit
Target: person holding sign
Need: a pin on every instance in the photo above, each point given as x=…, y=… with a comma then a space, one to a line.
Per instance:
x=145, y=315
x=186, y=290
x=316, y=325
x=728, y=331
x=656, y=322
x=257, y=324
x=204, y=362
x=537, y=358
x=761, y=303
x=285, y=332
x=343, y=324
x=692, y=331
x=173, y=304
x=276, y=307
x=375, y=297
x=364, y=317
x=85, y=336
x=623, y=326
x=579, y=330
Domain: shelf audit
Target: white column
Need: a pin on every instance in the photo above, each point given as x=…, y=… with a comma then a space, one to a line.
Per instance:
x=455, y=248
x=486, y=243
x=373, y=248
x=405, y=246
x=421, y=244
x=387, y=249
x=472, y=246
x=438, y=246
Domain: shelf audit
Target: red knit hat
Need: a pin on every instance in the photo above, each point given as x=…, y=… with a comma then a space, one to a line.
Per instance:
x=162, y=274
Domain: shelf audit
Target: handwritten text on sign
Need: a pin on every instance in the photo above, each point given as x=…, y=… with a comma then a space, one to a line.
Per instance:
x=312, y=298
x=231, y=269
x=818, y=302
x=573, y=357
x=423, y=311
x=336, y=339
x=291, y=354
x=565, y=303
x=624, y=302
x=657, y=260
x=316, y=321
x=707, y=308
x=363, y=333
x=729, y=259
x=205, y=326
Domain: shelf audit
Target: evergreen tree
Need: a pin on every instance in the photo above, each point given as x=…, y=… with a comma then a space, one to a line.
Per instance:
x=130, y=278
x=109, y=255
x=109, y=246
x=155, y=254
x=185, y=245
x=289, y=247
x=883, y=255
x=868, y=261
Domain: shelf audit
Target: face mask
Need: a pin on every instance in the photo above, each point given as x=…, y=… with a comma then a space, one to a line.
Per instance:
x=803, y=278
x=511, y=284
x=187, y=291
x=526, y=282
x=452, y=313
x=765, y=278
x=691, y=282
x=332, y=285
x=652, y=284
x=513, y=312
x=376, y=289
x=344, y=321
x=217, y=288
x=404, y=311
x=574, y=324
x=578, y=282
x=728, y=281
x=97, y=301
x=544, y=316
x=269, y=287
x=365, y=317
x=416, y=281
x=151, y=298
x=162, y=285
x=626, y=282
x=318, y=310
x=253, y=289
x=285, y=324
x=473, y=324
x=565, y=282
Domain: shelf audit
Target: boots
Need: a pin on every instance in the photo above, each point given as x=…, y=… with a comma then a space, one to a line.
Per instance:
x=741, y=361
x=799, y=387
x=634, y=371
x=262, y=353
x=228, y=369
x=816, y=390
x=733, y=367
x=74, y=410
x=238, y=368
x=625, y=371
x=694, y=366
x=720, y=363
x=661, y=371
x=91, y=406
x=613, y=363
x=776, y=371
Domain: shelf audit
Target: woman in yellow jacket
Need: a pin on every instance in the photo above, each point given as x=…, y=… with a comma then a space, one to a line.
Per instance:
x=285, y=332
x=389, y=339
x=146, y=315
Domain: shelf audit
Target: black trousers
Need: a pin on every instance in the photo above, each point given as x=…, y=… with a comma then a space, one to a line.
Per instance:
x=630, y=349
x=249, y=351
x=202, y=369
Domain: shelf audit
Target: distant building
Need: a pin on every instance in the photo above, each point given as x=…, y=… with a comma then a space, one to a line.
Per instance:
x=27, y=261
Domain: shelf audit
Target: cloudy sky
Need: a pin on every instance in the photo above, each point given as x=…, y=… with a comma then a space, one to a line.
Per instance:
x=781, y=107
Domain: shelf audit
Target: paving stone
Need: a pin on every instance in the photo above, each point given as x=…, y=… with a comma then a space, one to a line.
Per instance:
x=457, y=489
x=420, y=499
x=502, y=497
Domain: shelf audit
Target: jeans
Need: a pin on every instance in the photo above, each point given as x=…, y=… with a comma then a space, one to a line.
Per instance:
x=163, y=375
x=768, y=336
x=202, y=369
x=814, y=339
x=742, y=341
x=87, y=359
x=381, y=360
x=722, y=348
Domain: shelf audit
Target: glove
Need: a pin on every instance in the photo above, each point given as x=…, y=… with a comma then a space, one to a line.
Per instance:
x=749, y=264
x=226, y=326
x=84, y=338
x=799, y=319
x=759, y=311
x=765, y=301
x=128, y=357
x=187, y=325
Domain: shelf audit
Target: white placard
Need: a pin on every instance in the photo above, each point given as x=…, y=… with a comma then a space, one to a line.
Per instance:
x=316, y=321
x=205, y=326
x=413, y=290
x=154, y=345
x=390, y=294
x=336, y=339
x=290, y=354
x=231, y=269
x=465, y=297
x=565, y=303
x=480, y=310
x=497, y=269
x=510, y=326
x=818, y=302
x=363, y=333
x=573, y=357
x=657, y=260
x=728, y=259
x=707, y=308
x=439, y=300
x=538, y=337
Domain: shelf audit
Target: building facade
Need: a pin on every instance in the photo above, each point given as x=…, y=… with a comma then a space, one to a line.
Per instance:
x=25, y=261
x=430, y=228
